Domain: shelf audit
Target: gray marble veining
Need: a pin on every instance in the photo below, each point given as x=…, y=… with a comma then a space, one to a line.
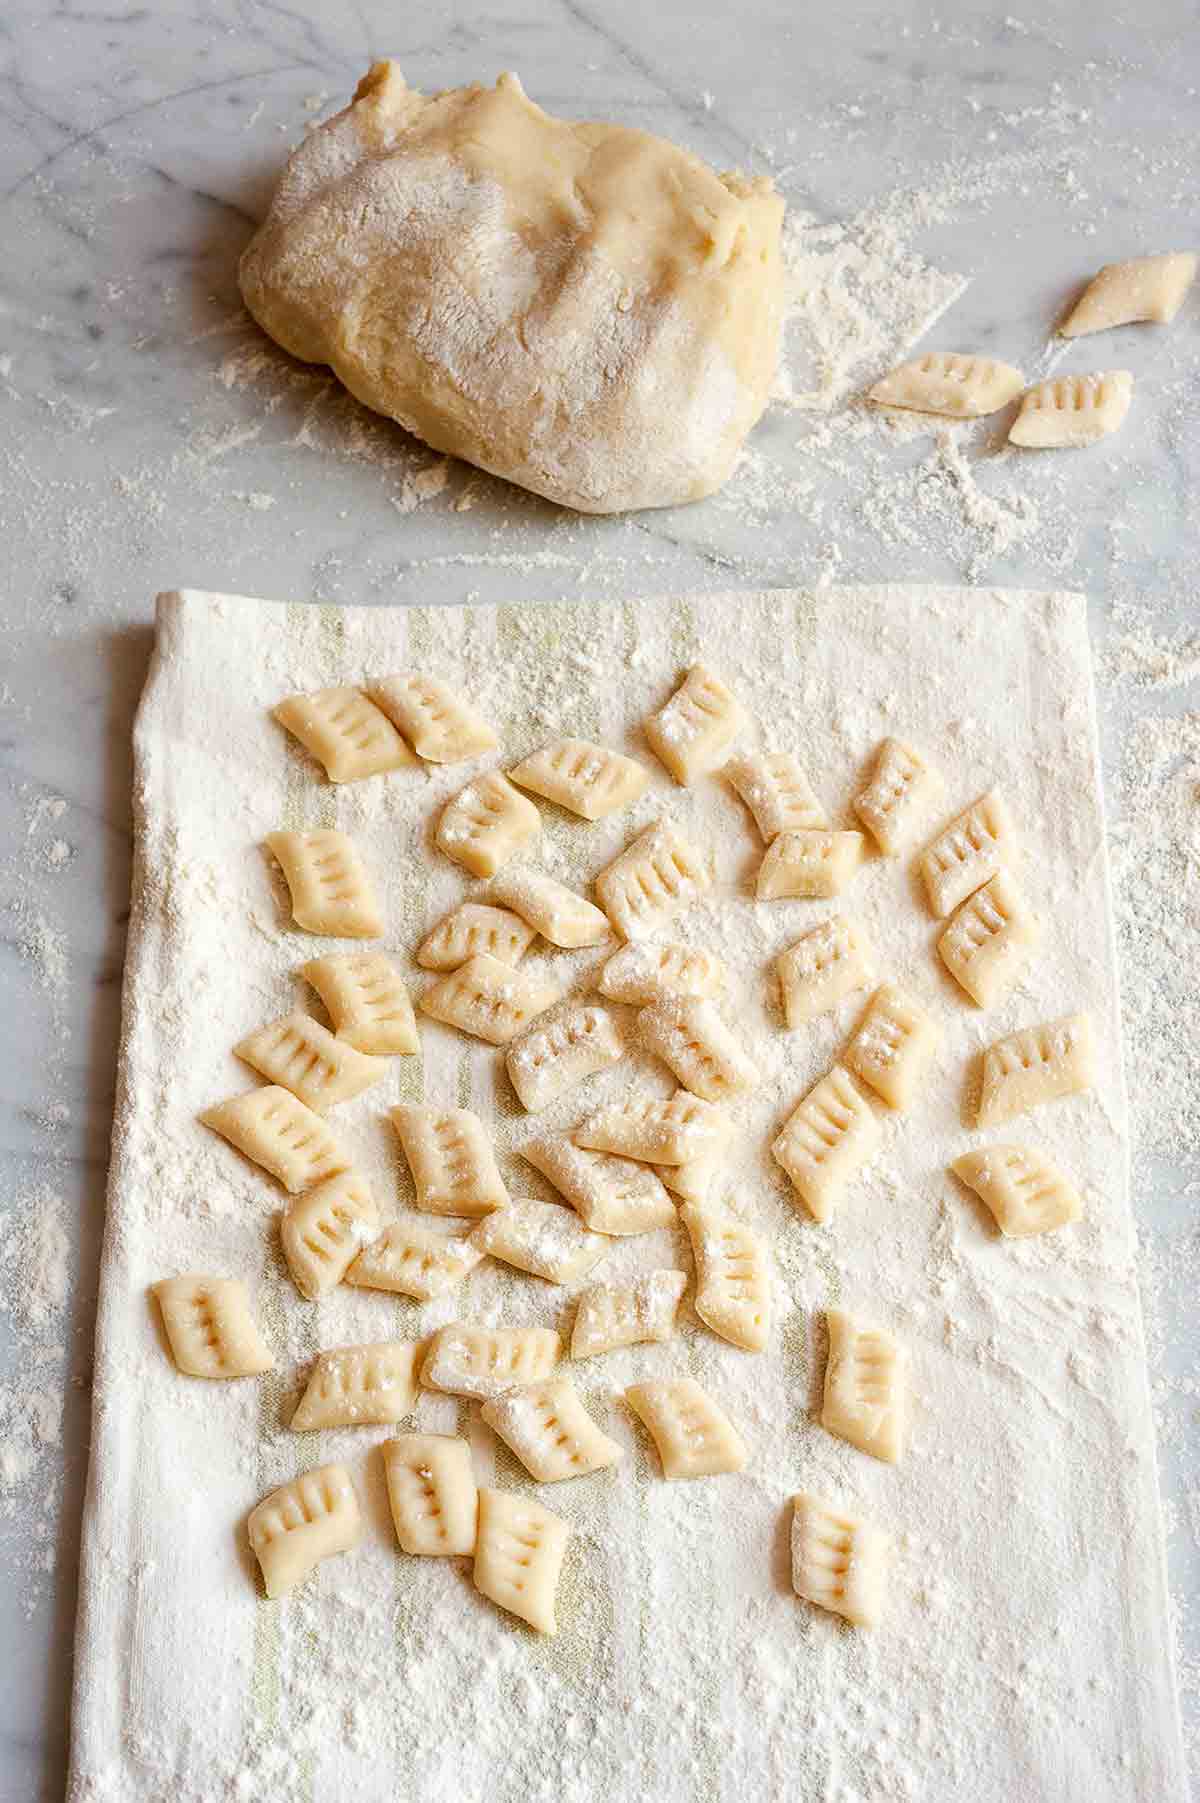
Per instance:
x=150, y=438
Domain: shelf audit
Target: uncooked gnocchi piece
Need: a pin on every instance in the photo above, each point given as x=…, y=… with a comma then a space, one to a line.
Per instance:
x=658, y=1131
x=359, y=1386
x=1036, y=1065
x=420, y=1262
x=431, y=1489
x=488, y=999
x=550, y=1431
x=305, y=1057
x=866, y=1388
x=586, y=779
x=451, y=1159
x=699, y=1050
x=649, y=970
x=776, y=791
x=967, y=852
x=486, y=824
x=1144, y=288
x=892, y=1046
x=733, y=1275
x=692, y=733
x=693, y=1437
x=518, y=1556
x=330, y=889
x=345, y=732
x=323, y=1232
x=1024, y=1190
x=210, y=1328
x=838, y=1562
x=279, y=1133
x=825, y=965
x=547, y=1239
x=902, y=788
x=366, y=1000
x=610, y=1195
x=651, y=880
x=810, y=864
x=989, y=939
x=438, y=724
x=552, y=909
x=1069, y=412
x=949, y=382
x=553, y=1055
x=829, y=1137
x=694, y=1180
x=474, y=928
x=613, y=1315
x=486, y=1361
x=303, y=1522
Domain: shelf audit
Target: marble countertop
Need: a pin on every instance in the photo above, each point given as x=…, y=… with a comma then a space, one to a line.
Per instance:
x=150, y=438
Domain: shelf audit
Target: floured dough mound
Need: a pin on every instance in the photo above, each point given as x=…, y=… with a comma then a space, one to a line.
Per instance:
x=584, y=309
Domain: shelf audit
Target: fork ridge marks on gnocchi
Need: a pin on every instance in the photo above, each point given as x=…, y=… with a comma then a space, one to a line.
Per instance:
x=825, y=965
x=1035, y=1065
x=586, y=779
x=1121, y=294
x=613, y=1315
x=693, y=1437
x=651, y=880
x=693, y=731
x=488, y=999
x=967, y=852
x=450, y=1156
x=550, y=1431
x=438, y=724
x=305, y=1057
x=303, y=1522
x=330, y=889
x=808, y=865
x=826, y=1140
x=546, y=1239
x=550, y=908
x=209, y=1327
x=901, y=789
x=473, y=928
x=365, y=998
x=323, y=1232
x=345, y=732
x=557, y=1053
x=989, y=939
x=1024, y=1190
x=700, y=1051
x=519, y=1553
x=656, y=1131
x=866, y=1383
x=949, y=382
x=892, y=1046
x=838, y=1561
x=275, y=1130
x=486, y=1361
x=611, y=1195
x=1069, y=412
x=650, y=970
x=776, y=791
x=416, y=1261
x=733, y=1275
x=486, y=824
x=359, y=1386
x=432, y=1494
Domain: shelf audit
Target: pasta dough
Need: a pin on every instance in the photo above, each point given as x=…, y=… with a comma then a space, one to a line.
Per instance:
x=585, y=309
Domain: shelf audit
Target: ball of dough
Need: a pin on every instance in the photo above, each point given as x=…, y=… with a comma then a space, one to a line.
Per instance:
x=584, y=309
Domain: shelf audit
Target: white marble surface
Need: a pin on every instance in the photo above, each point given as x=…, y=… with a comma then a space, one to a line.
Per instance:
x=148, y=439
